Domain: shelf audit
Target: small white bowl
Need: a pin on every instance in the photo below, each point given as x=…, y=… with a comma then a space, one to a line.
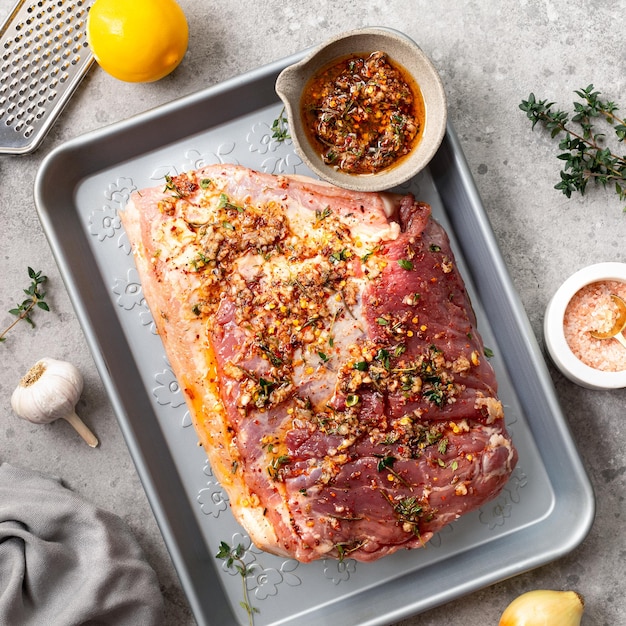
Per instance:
x=401, y=50
x=554, y=335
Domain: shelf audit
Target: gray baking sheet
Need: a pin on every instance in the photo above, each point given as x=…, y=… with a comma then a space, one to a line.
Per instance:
x=545, y=510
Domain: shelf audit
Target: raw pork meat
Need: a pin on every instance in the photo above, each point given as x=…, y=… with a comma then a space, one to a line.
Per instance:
x=330, y=358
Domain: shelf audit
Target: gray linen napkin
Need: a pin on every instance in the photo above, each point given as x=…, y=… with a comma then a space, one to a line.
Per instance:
x=65, y=562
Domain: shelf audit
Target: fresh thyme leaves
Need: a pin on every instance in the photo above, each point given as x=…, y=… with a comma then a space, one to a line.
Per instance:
x=35, y=298
x=382, y=356
x=275, y=466
x=322, y=215
x=338, y=256
x=405, y=264
x=408, y=511
x=199, y=262
x=365, y=258
x=384, y=462
x=262, y=396
x=234, y=559
x=344, y=549
x=443, y=446
x=272, y=354
x=324, y=357
x=585, y=156
x=225, y=203
x=280, y=129
x=170, y=185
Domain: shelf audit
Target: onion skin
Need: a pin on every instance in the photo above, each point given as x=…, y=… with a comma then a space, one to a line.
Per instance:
x=544, y=607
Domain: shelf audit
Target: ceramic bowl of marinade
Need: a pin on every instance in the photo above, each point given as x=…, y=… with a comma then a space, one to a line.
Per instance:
x=367, y=110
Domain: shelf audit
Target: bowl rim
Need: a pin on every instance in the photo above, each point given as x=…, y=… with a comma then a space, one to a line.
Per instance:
x=554, y=333
x=435, y=100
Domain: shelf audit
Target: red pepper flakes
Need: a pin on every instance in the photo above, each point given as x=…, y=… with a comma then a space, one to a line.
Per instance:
x=364, y=114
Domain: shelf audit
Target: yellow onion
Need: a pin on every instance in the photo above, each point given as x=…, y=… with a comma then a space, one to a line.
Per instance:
x=544, y=607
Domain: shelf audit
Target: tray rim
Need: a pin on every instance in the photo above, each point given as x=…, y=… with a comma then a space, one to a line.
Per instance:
x=450, y=171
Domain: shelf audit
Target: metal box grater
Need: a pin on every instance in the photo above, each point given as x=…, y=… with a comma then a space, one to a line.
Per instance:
x=44, y=54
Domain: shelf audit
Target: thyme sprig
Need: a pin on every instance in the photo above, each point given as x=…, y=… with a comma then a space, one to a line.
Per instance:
x=385, y=462
x=170, y=185
x=280, y=128
x=345, y=549
x=234, y=559
x=585, y=155
x=408, y=511
x=23, y=311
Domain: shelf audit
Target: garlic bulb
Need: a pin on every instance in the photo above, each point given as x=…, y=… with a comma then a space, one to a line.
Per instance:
x=544, y=607
x=50, y=390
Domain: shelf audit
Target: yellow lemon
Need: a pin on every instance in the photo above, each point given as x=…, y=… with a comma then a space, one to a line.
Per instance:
x=137, y=40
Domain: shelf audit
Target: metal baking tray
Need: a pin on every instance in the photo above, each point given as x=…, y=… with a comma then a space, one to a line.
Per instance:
x=545, y=510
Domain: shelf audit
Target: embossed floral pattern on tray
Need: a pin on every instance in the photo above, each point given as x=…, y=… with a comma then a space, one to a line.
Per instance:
x=267, y=575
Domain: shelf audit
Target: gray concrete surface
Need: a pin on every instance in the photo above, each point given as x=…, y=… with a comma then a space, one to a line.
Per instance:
x=490, y=56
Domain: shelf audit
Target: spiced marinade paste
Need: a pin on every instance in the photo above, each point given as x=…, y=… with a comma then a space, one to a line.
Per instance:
x=363, y=112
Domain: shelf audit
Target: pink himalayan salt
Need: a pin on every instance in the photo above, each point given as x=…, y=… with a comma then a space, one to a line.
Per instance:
x=592, y=309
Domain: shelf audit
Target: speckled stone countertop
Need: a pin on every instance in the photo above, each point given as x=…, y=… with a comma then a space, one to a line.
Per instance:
x=490, y=56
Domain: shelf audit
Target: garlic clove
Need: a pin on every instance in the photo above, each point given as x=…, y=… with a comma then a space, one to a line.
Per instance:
x=50, y=390
x=544, y=607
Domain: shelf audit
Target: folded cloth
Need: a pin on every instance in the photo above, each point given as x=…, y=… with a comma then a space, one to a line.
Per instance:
x=64, y=561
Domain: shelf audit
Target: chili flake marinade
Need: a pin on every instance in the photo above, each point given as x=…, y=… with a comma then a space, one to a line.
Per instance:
x=328, y=351
x=363, y=113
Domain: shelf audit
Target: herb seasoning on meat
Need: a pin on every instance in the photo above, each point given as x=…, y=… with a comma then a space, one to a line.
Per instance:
x=328, y=350
x=363, y=113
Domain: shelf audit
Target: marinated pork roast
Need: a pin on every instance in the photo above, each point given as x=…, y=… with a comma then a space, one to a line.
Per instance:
x=329, y=356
